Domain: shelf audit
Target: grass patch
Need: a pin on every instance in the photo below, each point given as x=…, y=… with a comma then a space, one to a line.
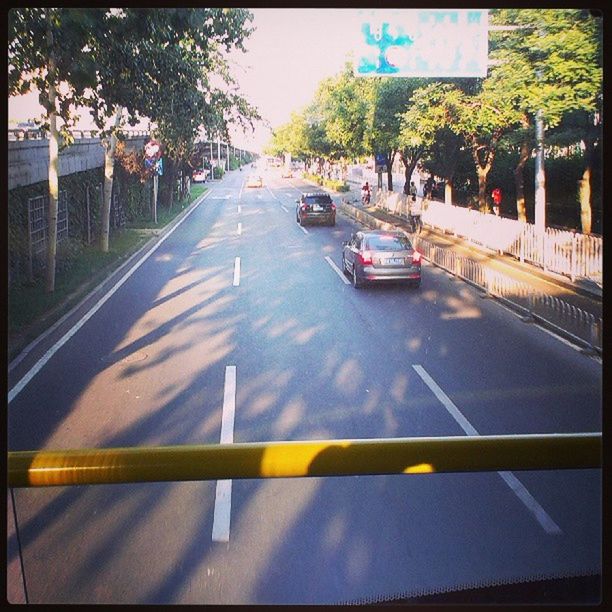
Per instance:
x=32, y=310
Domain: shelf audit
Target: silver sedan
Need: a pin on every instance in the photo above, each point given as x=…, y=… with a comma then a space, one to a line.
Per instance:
x=379, y=256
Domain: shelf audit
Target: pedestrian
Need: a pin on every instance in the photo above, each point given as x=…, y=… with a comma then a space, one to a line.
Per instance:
x=496, y=194
x=365, y=194
x=428, y=188
x=415, y=214
x=413, y=191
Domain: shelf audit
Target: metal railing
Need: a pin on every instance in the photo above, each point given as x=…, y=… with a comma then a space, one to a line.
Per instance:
x=40, y=134
x=563, y=252
x=583, y=327
x=296, y=459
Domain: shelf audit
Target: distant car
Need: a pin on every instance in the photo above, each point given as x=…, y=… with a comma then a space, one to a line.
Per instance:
x=380, y=255
x=287, y=173
x=315, y=208
x=254, y=180
x=199, y=176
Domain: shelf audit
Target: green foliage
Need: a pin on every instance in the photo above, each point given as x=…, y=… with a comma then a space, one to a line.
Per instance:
x=339, y=186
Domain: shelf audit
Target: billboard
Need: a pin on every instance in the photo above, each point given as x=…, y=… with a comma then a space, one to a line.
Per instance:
x=422, y=43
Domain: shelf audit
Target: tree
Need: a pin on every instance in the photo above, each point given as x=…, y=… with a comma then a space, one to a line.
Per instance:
x=552, y=63
x=344, y=104
x=480, y=116
x=157, y=63
x=425, y=127
x=389, y=99
x=48, y=52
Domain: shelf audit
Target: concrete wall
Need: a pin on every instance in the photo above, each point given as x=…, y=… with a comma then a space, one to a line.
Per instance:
x=28, y=160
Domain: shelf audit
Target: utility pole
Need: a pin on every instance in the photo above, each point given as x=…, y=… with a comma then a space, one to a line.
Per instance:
x=540, y=180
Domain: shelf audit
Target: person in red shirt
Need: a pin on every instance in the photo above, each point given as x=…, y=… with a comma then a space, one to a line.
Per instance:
x=497, y=198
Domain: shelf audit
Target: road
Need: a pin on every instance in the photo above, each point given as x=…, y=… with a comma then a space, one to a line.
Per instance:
x=238, y=328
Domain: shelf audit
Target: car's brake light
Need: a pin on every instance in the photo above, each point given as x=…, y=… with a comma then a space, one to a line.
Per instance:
x=304, y=206
x=366, y=258
x=333, y=206
x=416, y=257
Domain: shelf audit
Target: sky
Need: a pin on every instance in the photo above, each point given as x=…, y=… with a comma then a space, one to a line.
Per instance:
x=292, y=50
x=288, y=54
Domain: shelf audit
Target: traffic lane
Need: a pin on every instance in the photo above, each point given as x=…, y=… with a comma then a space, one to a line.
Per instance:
x=289, y=398
x=489, y=347
x=509, y=393
x=100, y=567
x=340, y=540
x=169, y=581
x=140, y=351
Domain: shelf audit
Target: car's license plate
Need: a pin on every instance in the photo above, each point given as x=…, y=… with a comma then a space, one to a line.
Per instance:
x=317, y=208
x=395, y=261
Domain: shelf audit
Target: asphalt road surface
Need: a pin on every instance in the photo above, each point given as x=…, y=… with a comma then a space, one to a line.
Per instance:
x=240, y=327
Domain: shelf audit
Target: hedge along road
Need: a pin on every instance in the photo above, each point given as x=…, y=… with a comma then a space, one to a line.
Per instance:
x=182, y=354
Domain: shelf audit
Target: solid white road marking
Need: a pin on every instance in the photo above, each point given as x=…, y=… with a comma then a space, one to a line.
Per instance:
x=223, y=495
x=285, y=209
x=508, y=477
x=14, y=392
x=303, y=229
x=236, y=271
x=337, y=270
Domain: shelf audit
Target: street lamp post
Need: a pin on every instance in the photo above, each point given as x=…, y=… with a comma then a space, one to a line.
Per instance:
x=540, y=180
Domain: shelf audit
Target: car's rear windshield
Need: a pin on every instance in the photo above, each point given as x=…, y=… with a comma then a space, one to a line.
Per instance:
x=387, y=242
x=318, y=199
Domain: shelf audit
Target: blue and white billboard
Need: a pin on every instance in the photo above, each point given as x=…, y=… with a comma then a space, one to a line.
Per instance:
x=422, y=43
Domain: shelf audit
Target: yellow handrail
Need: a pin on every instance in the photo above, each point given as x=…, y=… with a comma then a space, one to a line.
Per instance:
x=304, y=458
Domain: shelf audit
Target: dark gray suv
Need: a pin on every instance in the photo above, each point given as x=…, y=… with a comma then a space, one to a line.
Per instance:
x=315, y=208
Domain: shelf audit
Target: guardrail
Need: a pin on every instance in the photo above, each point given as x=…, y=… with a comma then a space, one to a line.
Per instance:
x=564, y=252
x=581, y=327
x=40, y=134
x=296, y=459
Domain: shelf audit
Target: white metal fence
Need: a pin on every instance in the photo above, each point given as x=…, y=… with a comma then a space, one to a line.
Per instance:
x=582, y=326
x=563, y=252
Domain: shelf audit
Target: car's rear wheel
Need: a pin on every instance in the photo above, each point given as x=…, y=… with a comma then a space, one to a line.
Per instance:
x=357, y=283
x=415, y=284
